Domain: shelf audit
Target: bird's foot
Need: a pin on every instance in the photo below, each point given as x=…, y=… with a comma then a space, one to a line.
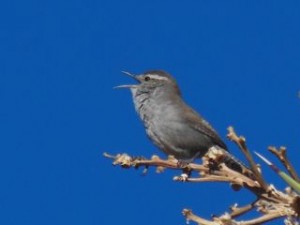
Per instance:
x=183, y=163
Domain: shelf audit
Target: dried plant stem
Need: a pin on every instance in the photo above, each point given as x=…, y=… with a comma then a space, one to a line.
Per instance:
x=189, y=215
x=238, y=211
x=241, y=143
x=282, y=156
x=270, y=202
x=263, y=219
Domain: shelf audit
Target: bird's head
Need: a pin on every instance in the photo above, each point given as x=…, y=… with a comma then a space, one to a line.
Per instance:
x=152, y=80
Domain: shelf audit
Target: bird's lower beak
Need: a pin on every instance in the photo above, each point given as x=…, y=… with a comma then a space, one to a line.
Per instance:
x=128, y=85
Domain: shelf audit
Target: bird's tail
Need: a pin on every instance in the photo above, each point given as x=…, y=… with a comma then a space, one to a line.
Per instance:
x=233, y=163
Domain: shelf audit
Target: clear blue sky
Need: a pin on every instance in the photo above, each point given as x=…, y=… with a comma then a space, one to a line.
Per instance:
x=237, y=62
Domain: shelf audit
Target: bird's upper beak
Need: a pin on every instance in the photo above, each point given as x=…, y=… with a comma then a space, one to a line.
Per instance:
x=129, y=85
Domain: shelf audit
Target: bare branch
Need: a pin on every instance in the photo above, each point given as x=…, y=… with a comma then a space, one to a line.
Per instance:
x=189, y=215
x=270, y=202
x=241, y=143
x=282, y=156
x=238, y=211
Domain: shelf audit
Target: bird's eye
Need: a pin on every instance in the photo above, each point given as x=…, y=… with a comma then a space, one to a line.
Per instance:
x=147, y=78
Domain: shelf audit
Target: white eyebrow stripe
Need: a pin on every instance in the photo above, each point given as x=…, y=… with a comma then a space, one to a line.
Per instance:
x=157, y=77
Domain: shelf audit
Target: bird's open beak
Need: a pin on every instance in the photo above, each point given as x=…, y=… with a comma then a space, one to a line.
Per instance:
x=128, y=85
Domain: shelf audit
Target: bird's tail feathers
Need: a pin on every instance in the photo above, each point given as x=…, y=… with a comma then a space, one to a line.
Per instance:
x=233, y=163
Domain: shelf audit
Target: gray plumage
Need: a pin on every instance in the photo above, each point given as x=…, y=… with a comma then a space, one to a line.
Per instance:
x=172, y=125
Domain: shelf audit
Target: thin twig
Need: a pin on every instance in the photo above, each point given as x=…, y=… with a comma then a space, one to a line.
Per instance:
x=282, y=156
x=263, y=219
x=127, y=161
x=238, y=211
x=241, y=142
x=189, y=215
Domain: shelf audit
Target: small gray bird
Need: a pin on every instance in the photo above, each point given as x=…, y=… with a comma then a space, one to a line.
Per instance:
x=172, y=125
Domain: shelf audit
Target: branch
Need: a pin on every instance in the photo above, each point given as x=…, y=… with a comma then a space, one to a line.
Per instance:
x=282, y=156
x=223, y=174
x=191, y=216
x=241, y=143
x=271, y=202
x=238, y=211
x=228, y=218
x=127, y=161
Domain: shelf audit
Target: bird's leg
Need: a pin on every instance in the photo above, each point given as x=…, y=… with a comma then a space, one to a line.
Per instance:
x=183, y=163
x=145, y=170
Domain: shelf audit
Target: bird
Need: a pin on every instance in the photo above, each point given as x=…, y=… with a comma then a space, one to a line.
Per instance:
x=170, y=123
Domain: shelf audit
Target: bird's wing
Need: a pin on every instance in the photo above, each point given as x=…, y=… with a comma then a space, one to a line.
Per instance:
x=201, y=125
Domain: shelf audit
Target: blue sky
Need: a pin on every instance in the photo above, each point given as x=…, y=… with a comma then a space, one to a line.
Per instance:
x=237, y=62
